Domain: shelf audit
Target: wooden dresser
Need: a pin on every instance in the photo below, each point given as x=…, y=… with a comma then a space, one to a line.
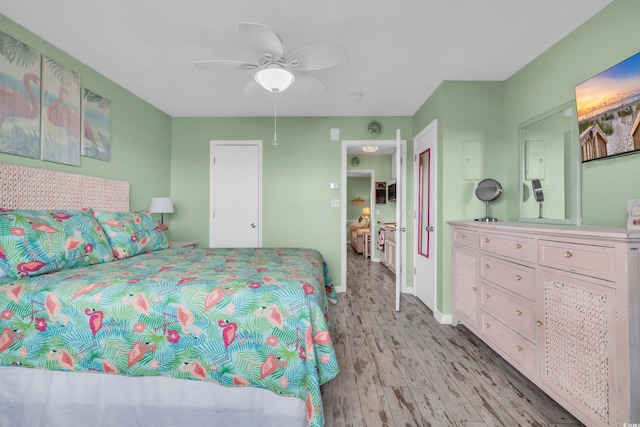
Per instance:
x=561, y=304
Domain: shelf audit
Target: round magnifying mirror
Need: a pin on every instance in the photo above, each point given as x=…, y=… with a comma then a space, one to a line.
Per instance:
x=488, y=190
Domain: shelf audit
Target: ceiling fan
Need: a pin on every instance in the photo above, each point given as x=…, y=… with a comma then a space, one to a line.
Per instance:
x=277, y=70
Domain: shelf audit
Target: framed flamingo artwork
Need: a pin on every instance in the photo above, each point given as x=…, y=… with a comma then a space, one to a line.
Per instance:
x=96, y=126
x=19, y=98
x=60, y=129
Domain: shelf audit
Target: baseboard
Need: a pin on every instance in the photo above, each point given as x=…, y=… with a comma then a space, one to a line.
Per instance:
x=444, y=319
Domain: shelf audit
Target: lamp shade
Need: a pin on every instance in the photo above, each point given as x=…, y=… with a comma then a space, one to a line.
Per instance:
x=274, y=79
x=161, y=205
x=366, y=211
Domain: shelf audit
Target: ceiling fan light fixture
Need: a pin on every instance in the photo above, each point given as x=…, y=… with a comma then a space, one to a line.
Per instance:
x=274, y=79
x=369, y=149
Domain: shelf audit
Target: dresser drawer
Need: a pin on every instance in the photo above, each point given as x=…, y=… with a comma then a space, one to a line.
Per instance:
x=517, y=247
x=588, y=260
x=517, y=312
x=510, y=343
x=516, y=278
x=463, y=237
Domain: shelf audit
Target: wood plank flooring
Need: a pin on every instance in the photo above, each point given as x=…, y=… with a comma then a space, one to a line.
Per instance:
x=405, y=369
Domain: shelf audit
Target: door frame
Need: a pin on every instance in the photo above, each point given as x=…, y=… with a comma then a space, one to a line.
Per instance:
x=346, y=144
x=212, y=145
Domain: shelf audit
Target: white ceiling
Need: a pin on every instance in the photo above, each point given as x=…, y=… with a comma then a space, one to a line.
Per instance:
x=398, y=52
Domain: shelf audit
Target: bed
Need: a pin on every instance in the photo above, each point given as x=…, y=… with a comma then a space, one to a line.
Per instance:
x=156, y=336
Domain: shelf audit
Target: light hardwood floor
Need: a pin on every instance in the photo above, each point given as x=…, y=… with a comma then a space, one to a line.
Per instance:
x=405, y=369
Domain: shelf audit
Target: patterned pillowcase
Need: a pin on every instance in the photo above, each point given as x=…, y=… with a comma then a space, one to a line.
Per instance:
x=34, y=242
x=131, y=233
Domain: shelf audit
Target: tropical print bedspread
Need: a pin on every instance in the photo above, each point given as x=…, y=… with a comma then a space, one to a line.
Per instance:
x=237, y=317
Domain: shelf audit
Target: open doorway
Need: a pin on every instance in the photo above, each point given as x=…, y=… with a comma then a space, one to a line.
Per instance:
x=361, y=211
x=389, y=211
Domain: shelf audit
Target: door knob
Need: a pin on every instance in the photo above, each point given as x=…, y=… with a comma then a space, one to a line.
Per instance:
x=253, y=225
x=429, y=228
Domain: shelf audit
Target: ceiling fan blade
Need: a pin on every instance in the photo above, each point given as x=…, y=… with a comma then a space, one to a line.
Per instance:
x=307, y=85
x=252, y=90
x=222, y=64
x=262, y=40
x=317, y=56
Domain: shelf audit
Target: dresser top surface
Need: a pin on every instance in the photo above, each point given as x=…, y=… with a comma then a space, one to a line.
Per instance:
x=617, y=233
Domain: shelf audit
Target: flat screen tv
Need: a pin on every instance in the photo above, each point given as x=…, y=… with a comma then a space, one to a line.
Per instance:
x=607, y=106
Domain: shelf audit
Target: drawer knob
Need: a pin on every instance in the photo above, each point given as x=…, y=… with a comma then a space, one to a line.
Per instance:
x=568, y=254
x=519, y=312
x=474, y=289
x=463, y=235
x=540, y=323
x=487, y=296
x=486, y=240
x=520, y=348
x=487, y=266
x=518, y=246
x=488, y=325
x=518, y=277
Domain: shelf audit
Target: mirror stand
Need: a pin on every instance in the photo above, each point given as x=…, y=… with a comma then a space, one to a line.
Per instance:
x=488, y=190
x=487, y=218
x=540, y=210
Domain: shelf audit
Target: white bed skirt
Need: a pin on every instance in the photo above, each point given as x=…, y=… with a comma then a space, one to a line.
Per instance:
x=39, y=398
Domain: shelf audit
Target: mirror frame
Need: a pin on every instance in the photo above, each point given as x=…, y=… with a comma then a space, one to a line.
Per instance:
x=575, y=141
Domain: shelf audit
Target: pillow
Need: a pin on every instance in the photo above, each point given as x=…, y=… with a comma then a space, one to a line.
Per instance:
x=34, y=242
x=131, y=233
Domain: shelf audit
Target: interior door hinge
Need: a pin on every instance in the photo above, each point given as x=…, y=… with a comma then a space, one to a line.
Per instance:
x=415, y=157
x=214, y=214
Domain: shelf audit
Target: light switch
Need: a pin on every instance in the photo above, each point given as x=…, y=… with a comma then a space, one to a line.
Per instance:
x=334, y=185
x=335, y=203
x=335, y=134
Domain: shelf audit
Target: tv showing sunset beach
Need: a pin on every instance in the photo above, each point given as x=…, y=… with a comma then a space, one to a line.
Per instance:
x=607, y=106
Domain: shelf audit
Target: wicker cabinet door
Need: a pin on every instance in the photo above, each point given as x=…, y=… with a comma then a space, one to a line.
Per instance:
x=466, y=288
x=576, y=344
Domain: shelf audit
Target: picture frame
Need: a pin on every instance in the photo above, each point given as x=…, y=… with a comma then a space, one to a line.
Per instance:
x=19, y=98
x=608, y=106
x=60, y=114
x=381, y=192
x=96, y=126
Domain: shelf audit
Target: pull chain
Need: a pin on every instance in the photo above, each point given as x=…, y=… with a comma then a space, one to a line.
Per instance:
x=275, y=121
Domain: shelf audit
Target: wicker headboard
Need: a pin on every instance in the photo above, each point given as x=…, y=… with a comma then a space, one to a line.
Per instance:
x=23, y=187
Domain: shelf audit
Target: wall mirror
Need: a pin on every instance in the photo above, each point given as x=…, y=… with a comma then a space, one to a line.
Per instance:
x=550, y=164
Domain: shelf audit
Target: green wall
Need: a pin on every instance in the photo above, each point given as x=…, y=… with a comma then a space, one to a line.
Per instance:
x=468, y=110
x=296, y=196
x=140, y=133
x=608, y=38
x=357, y=187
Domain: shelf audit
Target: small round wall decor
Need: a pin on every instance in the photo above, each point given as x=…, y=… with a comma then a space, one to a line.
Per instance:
x=374, y=129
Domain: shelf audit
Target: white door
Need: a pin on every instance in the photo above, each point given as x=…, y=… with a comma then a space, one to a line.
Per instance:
x=400, y=234
x=424, y=148
x=236, y=196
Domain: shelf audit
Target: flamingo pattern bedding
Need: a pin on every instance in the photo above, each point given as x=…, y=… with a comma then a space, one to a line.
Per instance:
x=236, y=317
